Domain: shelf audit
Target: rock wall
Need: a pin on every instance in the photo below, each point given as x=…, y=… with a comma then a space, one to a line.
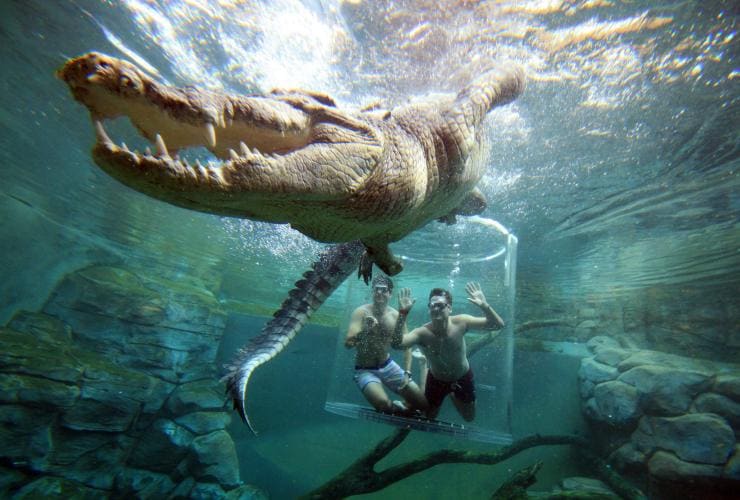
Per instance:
x=112, y=389
x=672, y=420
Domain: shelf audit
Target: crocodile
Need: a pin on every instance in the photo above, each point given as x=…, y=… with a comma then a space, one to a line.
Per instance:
x=361, y=178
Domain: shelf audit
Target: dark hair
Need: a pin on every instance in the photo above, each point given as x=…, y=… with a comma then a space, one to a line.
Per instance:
x=441, y=292
x=383, y=280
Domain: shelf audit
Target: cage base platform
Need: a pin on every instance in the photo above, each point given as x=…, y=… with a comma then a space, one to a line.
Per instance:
x=463, y=431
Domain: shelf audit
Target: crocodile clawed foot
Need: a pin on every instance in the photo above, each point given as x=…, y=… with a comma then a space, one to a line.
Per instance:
x=382, y=257
x=365, y=271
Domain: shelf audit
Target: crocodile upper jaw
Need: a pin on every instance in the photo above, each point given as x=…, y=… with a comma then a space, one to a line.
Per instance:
x=111, y=87
x=255, y=137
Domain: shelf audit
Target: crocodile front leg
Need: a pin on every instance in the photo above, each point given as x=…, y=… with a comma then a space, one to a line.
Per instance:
x=381, y=256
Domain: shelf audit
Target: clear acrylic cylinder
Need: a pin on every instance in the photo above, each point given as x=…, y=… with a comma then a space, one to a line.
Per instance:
x=447, y=256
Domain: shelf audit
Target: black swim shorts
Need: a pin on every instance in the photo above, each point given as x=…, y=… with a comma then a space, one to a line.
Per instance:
x=463, y=389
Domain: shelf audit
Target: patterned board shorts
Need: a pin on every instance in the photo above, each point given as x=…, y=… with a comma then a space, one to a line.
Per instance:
x=389, y=373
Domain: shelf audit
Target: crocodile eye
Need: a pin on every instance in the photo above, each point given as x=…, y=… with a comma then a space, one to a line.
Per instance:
x=129, y=84
x=104, y=65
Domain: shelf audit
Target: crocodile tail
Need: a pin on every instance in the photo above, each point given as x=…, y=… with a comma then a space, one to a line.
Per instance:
x=317, y=284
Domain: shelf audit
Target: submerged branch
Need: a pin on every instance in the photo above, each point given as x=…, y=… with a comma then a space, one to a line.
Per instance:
x=361, y=477
x=516, y=487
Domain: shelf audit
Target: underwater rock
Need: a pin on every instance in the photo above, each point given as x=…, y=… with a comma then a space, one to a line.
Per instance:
x=37, y=370
x=586, y=389
x=729, y=385
x=617, y=403
x=48, y=487
x=203, y=422
x=682, y=414
x=643, y=357
x=210, y=491
x=162, y=327
x=167, y=444
x=42, y=328
x=9, y=478
x=696, y=437
x=24, y=434
x=721, y=405
x=601, y=341
x=195, y=396
x=105, y=404
x=183, y=489
x=627, y=456
x=665, y=390
x=112, y=397
x=90, y=392
x=96, y=415
x=214, y=459
x=586, y=485
x=142, y=298
x=246, y=492
x=90, y=458
x=666, y=465
x=732, y=468
x=37, y=391
x=611, y=356
x=144, y=483
x=207, y=491
x=596, y=372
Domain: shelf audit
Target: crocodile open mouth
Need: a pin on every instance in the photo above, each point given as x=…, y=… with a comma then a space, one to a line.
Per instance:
x=281, y=133
x=161, y=160
x=250, y=130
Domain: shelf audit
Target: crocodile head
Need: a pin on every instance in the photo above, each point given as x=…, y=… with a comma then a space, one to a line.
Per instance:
x=293, y=156
x=263, y=142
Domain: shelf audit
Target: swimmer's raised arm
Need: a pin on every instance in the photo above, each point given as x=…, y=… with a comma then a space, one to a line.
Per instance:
x=400, y=337
x=491, y=321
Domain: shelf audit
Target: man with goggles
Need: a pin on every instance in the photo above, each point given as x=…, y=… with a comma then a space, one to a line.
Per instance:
x=443, y=343
x=370, y=332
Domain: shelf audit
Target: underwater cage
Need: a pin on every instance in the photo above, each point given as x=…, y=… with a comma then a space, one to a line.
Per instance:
x=476, y=249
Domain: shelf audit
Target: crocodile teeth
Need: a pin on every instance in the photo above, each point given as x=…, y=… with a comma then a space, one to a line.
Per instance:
x=211, y=134
x=244, y=148
x=148, y=151
x=100, y=133
x=124, y=147
x=233, y=155
x=161, y=146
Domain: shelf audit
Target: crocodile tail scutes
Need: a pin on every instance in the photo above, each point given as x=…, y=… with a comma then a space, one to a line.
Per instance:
x=310, y=292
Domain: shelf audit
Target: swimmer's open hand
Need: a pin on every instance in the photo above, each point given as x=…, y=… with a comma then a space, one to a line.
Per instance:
x=405, y=301
x=369, y=323
x=475, y=293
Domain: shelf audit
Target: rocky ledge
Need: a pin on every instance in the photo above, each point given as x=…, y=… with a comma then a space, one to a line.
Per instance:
x=112, y=390
x=670, y=418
